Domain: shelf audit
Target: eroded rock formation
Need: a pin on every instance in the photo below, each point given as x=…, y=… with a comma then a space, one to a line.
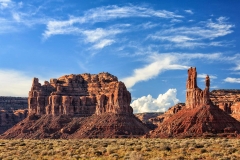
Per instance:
x=12, y=111
x=79, y=106
x=8, y=118
x=228, y=100
x=195, y=96
x=200, y=116
x=13, y=103
x=169, y=113
x=82, y=94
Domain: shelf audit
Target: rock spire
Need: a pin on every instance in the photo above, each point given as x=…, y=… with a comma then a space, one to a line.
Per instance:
x=195, y=96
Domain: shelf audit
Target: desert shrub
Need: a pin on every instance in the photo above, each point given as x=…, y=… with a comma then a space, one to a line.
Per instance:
x=138, y=148
x=111, y=149
x=98, y=153
x=231, y=150
x=44, y=153
x=135, y=156
x=203, y=150
x=166, y=148
x=146, y=149
x=199, y=146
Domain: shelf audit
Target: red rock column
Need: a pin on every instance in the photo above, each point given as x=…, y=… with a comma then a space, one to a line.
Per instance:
x=206, y=97
x=191, y=88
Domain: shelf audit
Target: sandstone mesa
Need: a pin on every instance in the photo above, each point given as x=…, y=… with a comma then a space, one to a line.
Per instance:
x=78, y=106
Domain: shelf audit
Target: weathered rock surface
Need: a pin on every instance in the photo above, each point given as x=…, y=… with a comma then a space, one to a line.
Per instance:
x=199, y=117
x=106, y=125
x=197, y=122
x=12, y=111
x=169, y=113
x=147, y=117
x=9, y=118
x=195, y=96
x=13, y=103
x=144, y=117
x=78, y=106
x=228, y=100
x=83, y=95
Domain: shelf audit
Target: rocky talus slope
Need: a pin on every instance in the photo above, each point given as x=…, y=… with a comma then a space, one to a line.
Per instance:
x=199, y=117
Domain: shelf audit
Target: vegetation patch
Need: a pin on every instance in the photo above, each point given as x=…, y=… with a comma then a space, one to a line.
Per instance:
x=127, y=149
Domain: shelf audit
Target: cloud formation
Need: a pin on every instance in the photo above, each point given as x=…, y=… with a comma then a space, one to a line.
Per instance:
x=76, y=25
x=203, y=75
x=196, y=36
x=158, y=63
x=232, y=80
x=14, y=83
x=189, y=11
x=159, y=104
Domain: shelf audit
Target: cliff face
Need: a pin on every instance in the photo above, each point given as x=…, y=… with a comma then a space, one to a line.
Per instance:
x=9, y=118
x=78, y=106
x=82, y=95
x=13, y=103
x=12, y=111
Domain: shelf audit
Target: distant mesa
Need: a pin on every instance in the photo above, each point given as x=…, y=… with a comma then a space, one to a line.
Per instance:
x=200, y=117
x=12, y=111
x=79, y=106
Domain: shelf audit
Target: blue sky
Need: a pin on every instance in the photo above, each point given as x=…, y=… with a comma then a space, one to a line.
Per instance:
x=149, y=45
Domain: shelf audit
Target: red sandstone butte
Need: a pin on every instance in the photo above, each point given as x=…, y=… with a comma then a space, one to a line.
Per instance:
x=200, y=116
x=78, y=106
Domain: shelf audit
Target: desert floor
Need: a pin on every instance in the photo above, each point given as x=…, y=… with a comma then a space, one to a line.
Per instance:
x=134, y=149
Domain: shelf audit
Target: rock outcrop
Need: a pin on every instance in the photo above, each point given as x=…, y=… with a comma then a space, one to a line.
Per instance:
x=200, y=116
x=13, y=103
x=196, y=97
x=169, y=113
x=82, y=95
x=228, y=100
x=12, y=111
x=8, y=118
x=78, y=106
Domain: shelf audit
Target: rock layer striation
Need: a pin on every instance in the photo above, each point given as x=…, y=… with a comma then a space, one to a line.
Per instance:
x=82, y=95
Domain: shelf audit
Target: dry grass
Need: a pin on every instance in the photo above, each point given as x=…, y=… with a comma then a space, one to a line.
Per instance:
x=128, y=149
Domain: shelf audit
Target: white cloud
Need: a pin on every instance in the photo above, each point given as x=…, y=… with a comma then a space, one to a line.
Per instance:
x=160, y=104
x=190, y=37
x=16, y=16
x=237, y=68
x=101, y=37
x=102, y=14
x=113, y=12
x=176, y=21
x=232, y=80
x=5, y=3
x=203, y=75
x=14, y=83
x=176, y=39
x=158, y=63
x=149, y=25
x=189, y=11
x=103, y=43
